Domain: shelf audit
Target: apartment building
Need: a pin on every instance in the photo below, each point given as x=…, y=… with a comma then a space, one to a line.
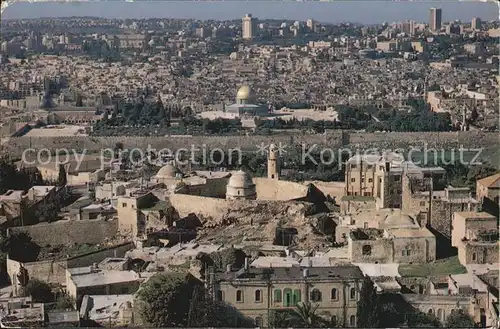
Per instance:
x=257, y=292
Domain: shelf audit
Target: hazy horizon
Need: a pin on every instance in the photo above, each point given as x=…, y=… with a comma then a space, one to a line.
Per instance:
x=367, y=12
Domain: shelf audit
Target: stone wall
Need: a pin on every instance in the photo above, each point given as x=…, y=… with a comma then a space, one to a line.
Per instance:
x=272, y=189
x=201, y=206
x=69, y=232
x=54, y=271
x=333, y=139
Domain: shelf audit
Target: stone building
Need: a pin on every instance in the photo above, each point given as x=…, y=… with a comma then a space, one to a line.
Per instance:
x=381, y=176
x=245, y=105
x=143, y=213
x=256, y=292
x=398, y=239
x=435, y=208
x=273, y=163
x=241, y=186
x=475, y=235
x=488, y=193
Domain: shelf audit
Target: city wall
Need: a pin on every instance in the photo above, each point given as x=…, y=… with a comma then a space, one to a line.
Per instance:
x=70, y=232
x=333, y=139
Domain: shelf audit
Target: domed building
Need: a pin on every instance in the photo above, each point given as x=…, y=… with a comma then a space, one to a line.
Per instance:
x=167, y=174
x=245, y=106
x=240, y=186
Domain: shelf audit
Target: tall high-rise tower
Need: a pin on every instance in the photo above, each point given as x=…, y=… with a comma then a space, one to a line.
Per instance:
x=435, y=16
x=249, y=26
x=476, y=23
x=273, y=163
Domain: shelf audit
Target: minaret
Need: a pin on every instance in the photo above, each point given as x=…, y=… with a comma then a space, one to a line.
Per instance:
x=273, y=165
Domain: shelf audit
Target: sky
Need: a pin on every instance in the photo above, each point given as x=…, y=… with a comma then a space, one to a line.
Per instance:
x=367, y=12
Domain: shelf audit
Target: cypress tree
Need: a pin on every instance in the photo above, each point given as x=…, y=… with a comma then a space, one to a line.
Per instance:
x=368, y=312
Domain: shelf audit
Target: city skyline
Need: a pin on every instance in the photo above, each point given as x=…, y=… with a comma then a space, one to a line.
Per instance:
x=366, y=12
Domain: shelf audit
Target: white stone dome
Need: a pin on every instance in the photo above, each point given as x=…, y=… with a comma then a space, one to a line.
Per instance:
x=398, y=220
x=167, y=171
x=240, y=186
x=240, y=179
x=244, y=93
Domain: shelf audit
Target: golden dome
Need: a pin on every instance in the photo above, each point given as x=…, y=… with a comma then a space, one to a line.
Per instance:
x=244, y=93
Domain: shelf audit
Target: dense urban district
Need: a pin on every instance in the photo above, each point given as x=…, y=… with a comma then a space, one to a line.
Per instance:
x=282, y=218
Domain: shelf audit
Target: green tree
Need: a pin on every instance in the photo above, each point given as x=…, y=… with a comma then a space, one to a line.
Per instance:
x=165, y=299
x=305, y=316
x=460, y=319
x=368, y=313
x=40, y=291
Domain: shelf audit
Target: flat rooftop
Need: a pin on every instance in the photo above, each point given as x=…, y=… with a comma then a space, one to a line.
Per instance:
x=101, y=278
x=410, y=233
x=293, y=274
x=62, y=131
x=474, y=215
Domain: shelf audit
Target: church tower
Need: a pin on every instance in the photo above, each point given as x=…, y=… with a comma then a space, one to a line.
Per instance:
x=273, y=165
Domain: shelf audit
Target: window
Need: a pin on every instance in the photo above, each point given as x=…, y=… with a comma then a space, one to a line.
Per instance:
x=258, y=321
x=405, y=252
x=277, y=296
x=220, y=295
x=315, y=295
x=353, y=293
x=440, y=314
x=239, y=296
x=474, y=256
x=287, y=294
x=367, y=249
x=258, y=296
x=370, y=180
x=297, y=298
x=430, y=312
x=353, y=166
x=397, y=178
x=124, y=204
x=352, y=320
x=334, y=293
x=369, y=167
x=365, y=225
x=334, y=320
x=422, y=203
x=353, y=180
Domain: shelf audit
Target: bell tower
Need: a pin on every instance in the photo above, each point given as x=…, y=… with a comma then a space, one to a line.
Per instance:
x=273, y=163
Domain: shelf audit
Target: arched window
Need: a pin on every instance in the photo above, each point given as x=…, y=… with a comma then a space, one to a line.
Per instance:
x=315, y=295
x=334, y=294
x=220, y=295
x=440, y=314
x=288, y=296
x=353, y=293
x=297, y=297
x=258, y=321
x=239, y=296
x=430, y=311
x=367, y=250
x=277, y=296
x=352, y=320
x=474, y=256
x=258, y=296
